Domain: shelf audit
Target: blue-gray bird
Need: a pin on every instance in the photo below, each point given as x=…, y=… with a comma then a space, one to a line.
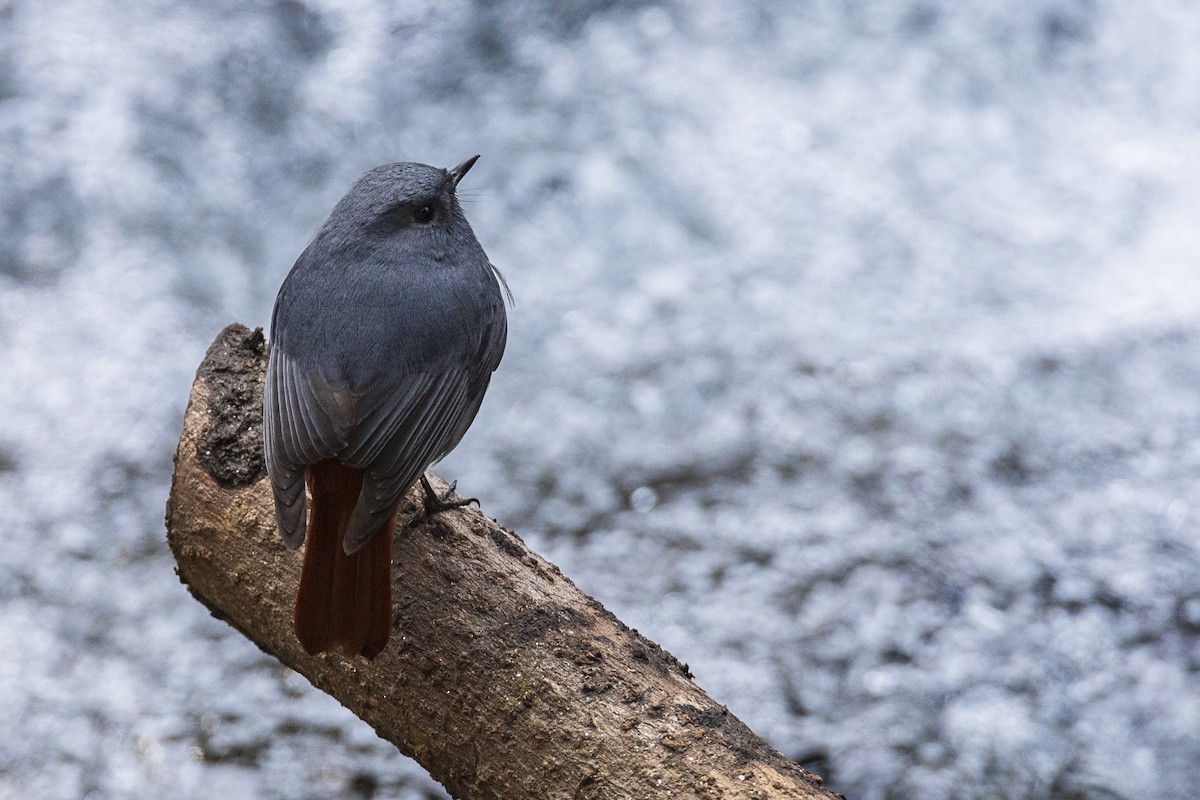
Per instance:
x=384, y=337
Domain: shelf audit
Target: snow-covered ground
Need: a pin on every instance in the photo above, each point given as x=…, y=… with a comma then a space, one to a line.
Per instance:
x=855, y=359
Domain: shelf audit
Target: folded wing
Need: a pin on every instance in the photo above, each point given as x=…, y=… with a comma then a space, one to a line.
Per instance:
x=393, y=427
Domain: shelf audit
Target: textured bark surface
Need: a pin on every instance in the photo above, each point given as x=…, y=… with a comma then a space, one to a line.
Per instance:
x=501, y=678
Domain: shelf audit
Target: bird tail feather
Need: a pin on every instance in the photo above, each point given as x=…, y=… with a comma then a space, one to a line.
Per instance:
x=345, y=601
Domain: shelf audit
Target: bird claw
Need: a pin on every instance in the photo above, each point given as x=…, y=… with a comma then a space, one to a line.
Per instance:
x=436, y=504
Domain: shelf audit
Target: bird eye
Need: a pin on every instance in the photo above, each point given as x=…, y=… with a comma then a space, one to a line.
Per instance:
x=424, y=215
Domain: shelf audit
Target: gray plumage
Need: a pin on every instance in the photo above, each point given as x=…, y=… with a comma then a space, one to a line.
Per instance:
x=385, y=335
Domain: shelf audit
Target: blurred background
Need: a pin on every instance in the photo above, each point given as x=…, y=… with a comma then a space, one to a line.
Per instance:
x=855, y=359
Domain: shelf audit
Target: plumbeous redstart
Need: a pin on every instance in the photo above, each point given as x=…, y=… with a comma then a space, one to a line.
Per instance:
x=384, y=337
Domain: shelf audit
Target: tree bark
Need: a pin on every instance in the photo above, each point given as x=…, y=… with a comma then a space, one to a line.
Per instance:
x=501, y=677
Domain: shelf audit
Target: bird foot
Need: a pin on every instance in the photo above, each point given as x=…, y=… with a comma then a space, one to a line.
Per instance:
x=437, y=503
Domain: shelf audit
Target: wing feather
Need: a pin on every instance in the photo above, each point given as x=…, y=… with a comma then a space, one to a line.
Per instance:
x=419, y=433
x=298, y=430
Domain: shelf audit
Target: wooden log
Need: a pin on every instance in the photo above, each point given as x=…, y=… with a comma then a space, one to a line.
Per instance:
x=501, y=677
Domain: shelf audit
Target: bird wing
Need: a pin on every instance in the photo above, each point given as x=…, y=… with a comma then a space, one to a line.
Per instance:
x=399, y=433
x=306, y=418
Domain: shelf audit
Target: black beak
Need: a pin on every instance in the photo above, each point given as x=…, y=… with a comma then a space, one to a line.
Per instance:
x=456, y=173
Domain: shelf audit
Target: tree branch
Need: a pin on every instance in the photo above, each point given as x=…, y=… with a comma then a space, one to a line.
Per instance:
x=501, y=678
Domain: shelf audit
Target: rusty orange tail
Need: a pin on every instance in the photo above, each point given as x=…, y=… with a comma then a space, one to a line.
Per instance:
x=344, y=602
